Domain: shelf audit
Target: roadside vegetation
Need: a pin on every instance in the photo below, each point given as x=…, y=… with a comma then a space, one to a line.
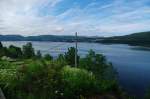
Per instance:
x=26, y=74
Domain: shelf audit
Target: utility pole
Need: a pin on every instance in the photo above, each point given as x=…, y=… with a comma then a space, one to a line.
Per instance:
x=76, y=49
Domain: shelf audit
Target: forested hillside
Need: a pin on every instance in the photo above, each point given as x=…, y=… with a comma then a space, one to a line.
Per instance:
x=142, y=39
x=53, y=38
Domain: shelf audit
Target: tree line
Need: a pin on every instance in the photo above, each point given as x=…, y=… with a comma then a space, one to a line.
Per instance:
x=26, y=52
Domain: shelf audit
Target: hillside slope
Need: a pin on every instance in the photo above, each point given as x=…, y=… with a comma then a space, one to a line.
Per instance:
x=142, y=39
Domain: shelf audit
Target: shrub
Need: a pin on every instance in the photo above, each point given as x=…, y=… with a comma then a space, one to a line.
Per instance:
x=14, y=52
x=97, y=64
x=48, y=57
x=103, y=71
x=78, y=82
x=32, y=80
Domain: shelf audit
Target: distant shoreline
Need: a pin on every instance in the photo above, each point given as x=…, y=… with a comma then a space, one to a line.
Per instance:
x=138, y=45
x=136, y=39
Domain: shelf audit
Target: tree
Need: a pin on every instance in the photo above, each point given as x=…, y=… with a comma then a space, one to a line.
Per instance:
x=1, y=45
x=1, y=50
x=61, y=57
x=28, y=51
x=97, y=64
x=48, y=57
x=70, y=56
x=14, y=52
x=39, y=55
x=4, y=51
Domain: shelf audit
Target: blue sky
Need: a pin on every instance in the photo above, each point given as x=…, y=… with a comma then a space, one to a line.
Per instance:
x=65, y=17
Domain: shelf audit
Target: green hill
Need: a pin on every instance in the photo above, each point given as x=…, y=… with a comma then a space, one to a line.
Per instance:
x=142, y=39
x=53, y=38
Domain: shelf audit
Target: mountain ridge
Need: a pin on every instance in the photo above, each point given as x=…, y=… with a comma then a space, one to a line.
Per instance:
x=141, y=38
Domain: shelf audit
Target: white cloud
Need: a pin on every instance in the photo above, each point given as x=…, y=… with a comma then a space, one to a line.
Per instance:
x=117, y=18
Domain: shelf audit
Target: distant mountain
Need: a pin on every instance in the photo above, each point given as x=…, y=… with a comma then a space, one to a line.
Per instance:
x=52, y=38
x=11, y=38
x=142, y=39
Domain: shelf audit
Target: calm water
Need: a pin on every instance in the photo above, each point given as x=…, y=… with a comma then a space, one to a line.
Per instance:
x=132, y=63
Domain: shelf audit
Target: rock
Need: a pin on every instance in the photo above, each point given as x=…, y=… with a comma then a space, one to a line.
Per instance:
x=1, y=94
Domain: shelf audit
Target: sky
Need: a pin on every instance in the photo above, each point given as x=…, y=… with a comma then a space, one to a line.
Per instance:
x=65, y=17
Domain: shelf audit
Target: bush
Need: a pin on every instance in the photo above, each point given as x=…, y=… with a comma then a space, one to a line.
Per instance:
x=97, y=64
x=4, y=51
x=14, y=52
x=78, y=82
x=48, y=57
x=103, y=71
x=32, y=80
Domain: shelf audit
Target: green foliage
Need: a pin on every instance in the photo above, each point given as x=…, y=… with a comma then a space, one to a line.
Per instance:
x=48, y=57
x=17, y=53
x=78, y=82
x=3, y=50
x=109, y=86
x=31, y=80
x=103, y=71
x=28, y=51
x=70, y=56
x=14, y=52
x=39, y=55
x=48, y=78
x=6, y=77
x=61, y=57
x=141, y=39
x=61, y=60
x=1, y=45
x=7, y=65
x=97, y=64
x=147, y=95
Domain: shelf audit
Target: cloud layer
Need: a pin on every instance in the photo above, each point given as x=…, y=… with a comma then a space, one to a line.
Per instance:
x=64, y=17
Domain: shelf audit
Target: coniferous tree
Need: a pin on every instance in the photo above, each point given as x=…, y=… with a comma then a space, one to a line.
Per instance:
x=70, y=56
x=14, y=52
x=39, y=55
x=28, y=51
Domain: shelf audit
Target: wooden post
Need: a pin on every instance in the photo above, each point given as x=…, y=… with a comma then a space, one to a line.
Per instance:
x=76, y=49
